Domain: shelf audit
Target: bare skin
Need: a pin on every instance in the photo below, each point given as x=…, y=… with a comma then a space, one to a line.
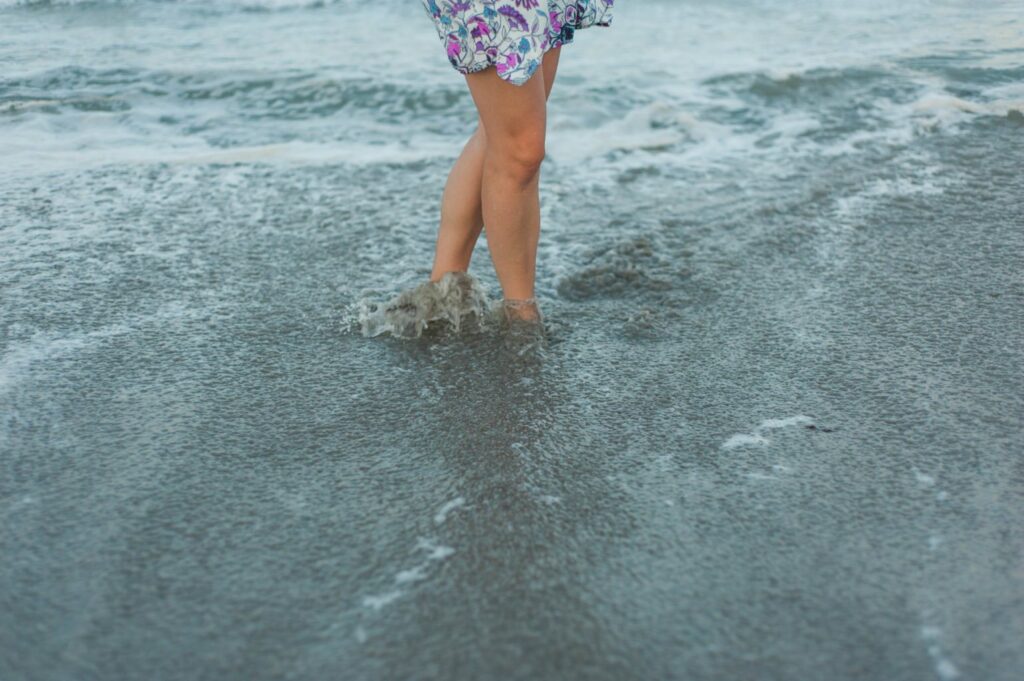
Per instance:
x=495, y=181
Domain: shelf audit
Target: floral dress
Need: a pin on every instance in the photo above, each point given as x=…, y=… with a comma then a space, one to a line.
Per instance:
x=511, y=35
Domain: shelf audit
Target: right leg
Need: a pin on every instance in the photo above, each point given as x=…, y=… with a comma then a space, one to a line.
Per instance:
x=515, y=117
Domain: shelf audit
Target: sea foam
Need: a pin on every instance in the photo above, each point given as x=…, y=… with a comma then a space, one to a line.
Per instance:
x=453, y=300
x=758, y=436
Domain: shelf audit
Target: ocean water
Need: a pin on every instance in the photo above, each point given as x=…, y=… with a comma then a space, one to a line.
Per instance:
x=772, y=430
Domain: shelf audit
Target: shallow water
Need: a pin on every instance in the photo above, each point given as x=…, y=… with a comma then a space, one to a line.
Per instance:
x=773, y=431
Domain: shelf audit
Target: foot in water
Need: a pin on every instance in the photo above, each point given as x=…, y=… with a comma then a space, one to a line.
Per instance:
x=521, y=310
x=523, y=325
x=452, y=299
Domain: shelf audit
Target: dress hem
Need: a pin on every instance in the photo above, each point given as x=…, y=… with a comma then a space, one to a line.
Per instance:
x=550, y=46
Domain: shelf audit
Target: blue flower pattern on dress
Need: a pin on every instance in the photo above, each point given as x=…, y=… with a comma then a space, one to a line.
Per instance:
x=511, y=35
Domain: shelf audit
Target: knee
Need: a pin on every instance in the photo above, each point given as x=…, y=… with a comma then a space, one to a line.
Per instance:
x=519, y=155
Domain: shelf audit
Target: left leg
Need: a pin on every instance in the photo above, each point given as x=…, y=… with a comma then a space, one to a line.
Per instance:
x=461, y=209
x=461, y=205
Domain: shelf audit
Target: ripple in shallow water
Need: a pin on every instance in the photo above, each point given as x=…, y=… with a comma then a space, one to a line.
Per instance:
x=626, y=267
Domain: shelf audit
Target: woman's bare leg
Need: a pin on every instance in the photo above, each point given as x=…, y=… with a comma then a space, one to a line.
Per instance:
x=550, y=67
x=515, y=118
x=461, y=216
x=461, y=203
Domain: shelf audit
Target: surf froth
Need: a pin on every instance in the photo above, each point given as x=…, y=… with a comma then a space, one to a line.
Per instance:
x=455, y=300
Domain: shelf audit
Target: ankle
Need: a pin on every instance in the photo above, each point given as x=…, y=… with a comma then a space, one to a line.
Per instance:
x=521, y=309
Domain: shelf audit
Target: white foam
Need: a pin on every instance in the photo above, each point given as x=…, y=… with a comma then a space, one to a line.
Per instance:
x=440, y=552
x=442, y=514
x=651, y=127
x=18, y=359
x=944, y=667
x=412, y=575
x=306, y=153
x=938, y=104
x=378, y=602
x=31, y=155
x=772, y=424
x=928, y=179
x=946, y=670
x=946, y=102
x=435, y=552
x=744, y=440
x=454, y=299
x=757, y=438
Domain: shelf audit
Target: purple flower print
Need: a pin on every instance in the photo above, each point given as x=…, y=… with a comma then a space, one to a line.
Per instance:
x=509, y=63
x=556, y=22
x=515, y=18
x=479, y=27
x=453, y=47
x=511, y=35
